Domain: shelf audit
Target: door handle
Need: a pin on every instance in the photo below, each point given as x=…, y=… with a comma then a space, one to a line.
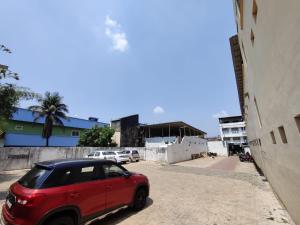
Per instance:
x=108, y=188
x=74, y=195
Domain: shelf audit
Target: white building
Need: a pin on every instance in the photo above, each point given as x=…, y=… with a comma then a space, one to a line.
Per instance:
x=233, y=133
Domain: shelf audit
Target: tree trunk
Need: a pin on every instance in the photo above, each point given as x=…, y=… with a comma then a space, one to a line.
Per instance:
x=47, y=142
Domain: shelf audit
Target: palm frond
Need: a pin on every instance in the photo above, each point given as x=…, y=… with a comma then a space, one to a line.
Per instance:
x=58, y=121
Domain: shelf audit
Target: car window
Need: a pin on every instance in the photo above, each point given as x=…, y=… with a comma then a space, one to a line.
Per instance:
x=68, y=176
x=111, y=170
x=34, y=178
x=91, y=154
x=87, y=173
x=127, y=152
x=111, y=153
x=61, y=177
x=97, y=154
x=135, y=152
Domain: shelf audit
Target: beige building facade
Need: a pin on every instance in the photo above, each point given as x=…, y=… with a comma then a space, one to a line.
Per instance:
x=266, y=58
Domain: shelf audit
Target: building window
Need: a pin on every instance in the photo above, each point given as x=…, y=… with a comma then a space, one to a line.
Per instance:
x=225, y=130
x=273, y=137
x=240, y=10
x=282, y=134
x=19, y=127
x=254, y=10
x=75, y=133
x=235, y=130
x=258, y=113
x=252, y=37
x=297, y=119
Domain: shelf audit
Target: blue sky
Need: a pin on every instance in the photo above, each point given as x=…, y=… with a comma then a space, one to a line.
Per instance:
x=165, y=60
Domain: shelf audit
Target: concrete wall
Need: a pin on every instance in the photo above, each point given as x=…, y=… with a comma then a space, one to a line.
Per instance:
x=271, y=74
x=217, y=147
x=12, y=158
x=117, y=138
x=159, y=141
x=184, y=150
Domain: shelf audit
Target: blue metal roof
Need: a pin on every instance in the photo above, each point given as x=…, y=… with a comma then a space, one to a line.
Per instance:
x=26, y=115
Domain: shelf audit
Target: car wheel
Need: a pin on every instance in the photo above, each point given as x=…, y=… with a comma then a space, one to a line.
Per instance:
x=140, y=199
x=61, y=220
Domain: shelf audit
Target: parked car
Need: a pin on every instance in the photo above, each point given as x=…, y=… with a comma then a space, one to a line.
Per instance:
x=122, y=157
x=109, y=155
x=73, y=192
x=134, y=155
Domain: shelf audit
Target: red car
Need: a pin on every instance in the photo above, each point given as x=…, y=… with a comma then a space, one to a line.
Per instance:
x=71, y=192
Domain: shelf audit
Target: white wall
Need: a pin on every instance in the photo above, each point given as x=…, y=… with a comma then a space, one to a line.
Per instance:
x=160, y=142
x=184, y=150
x=217, y=147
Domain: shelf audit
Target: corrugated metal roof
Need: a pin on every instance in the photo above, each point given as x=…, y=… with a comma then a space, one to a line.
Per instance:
x=26, y=115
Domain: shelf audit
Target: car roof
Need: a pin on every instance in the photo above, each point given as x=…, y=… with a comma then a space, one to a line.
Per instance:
x=67, y=163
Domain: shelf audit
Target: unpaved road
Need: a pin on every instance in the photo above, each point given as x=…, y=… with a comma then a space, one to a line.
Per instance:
x=205, y=191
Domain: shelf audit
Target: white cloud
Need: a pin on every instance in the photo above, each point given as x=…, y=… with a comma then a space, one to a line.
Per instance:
x=116, y=35
x=158, y=110
x=222, y=113
x=110, y=22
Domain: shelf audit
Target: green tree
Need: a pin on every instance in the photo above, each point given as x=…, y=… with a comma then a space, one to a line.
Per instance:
x=52, y=109
x=97, y=137
x=10, y=94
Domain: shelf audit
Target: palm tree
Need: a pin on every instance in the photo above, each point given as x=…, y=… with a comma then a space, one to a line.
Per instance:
x=52, y=109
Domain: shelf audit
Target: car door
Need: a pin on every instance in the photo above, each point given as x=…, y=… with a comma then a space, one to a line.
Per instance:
x=119, y=188
x=88, y=189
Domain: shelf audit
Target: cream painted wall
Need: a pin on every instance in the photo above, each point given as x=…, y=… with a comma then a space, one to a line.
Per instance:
x=117, y=138
x=272, y=76
x=217, y=147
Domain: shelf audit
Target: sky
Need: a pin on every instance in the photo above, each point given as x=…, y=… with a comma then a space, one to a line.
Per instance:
x=164, y=60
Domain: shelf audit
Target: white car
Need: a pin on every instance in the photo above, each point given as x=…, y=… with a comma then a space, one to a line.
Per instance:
x=122, y=157
x=109, y=155
x=134, y=155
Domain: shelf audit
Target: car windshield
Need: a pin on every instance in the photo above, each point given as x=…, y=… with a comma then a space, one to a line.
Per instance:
x=91, y=154
x=108, y=153
x=34, y=178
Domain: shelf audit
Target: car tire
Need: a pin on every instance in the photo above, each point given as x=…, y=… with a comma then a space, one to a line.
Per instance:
x=61, y=220
x=140, y=199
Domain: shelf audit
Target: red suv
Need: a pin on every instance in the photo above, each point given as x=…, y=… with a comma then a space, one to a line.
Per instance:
x=71, y=192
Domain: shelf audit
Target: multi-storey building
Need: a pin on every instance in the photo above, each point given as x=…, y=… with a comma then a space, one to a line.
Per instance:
x=266, y=58
x=233, y=131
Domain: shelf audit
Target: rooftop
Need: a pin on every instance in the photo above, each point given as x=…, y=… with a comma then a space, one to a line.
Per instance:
x=26, y=115
x=62, y=163
x=174, y=125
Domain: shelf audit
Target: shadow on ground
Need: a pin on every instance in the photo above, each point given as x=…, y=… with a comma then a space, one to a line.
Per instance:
x=119, y=216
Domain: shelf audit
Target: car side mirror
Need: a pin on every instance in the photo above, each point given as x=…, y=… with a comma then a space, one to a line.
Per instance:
x=126, y=174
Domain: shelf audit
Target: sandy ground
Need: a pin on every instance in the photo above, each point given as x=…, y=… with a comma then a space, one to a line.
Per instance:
x=194, y=192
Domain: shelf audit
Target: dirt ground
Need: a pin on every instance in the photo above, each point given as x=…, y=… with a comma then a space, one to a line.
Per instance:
x=204, y=191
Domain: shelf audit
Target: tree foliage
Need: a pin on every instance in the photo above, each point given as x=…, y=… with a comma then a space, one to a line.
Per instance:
x=10, y=94
x=97, y=137
x=52, y=109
